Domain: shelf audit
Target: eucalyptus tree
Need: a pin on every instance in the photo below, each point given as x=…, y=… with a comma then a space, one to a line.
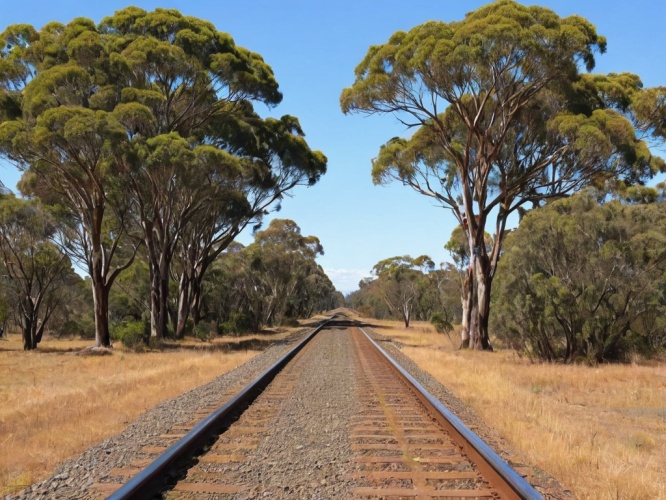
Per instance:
x=146, y=123
x=401, y=283
x=275, y=278
x=505, y=120
x=277, y=160
x=282, y=259
x=316, y=294
x=203, y=163
x=37, y=272
x=367, y=301
x=584, y=281
x=57, y=126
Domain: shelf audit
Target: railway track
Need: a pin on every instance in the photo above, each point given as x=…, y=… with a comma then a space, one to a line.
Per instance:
x=403, y=443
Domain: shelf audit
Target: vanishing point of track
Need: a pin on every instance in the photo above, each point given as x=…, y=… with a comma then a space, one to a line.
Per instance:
x=405, y=443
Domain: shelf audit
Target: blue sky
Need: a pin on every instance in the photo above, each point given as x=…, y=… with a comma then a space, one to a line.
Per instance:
x=313, y=47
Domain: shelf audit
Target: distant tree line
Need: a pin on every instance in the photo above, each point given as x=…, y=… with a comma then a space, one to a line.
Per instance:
x=271, y=282
x=406, y=289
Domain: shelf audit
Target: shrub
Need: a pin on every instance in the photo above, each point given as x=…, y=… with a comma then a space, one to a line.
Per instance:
x=204, y=331
x=131, y=334
x=582, y=282
x=238, y=323
x=441, y=322
x=82, y=327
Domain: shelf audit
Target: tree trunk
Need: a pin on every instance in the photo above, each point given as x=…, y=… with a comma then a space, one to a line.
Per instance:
x=98, y=275
x=39, y=333
x=406, y=313
x=155, y=332
x=479, y=338
x=158, y=263
x=475, y=300
x=159, y=300
x=101, y=312
x=29, y=324
x=468, y=307
x=196, y=305
x=28, y=343
x=189, y=295
x=196, y=287
x=183, y=312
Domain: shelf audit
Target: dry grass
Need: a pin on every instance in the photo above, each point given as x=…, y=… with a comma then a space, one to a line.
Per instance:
x=601, y=431
x=54, y=404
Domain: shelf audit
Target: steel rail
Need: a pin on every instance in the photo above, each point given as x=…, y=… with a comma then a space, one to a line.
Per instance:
x=520, y=486
x=153, y=479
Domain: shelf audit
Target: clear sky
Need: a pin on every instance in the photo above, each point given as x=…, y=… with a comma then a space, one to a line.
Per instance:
x=313, y=47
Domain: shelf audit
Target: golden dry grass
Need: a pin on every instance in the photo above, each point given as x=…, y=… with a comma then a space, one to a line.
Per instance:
x=600, y=430
x=54, y=405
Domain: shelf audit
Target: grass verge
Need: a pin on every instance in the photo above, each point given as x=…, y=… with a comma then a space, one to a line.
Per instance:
x=54, y=404
x=600, y=430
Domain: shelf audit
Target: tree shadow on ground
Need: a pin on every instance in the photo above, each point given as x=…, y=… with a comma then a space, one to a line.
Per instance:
x=229, y=346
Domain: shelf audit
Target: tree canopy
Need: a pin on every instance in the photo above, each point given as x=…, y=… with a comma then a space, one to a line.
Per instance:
x=504, y=120
x=584, y=281
x=37, y=275
x=143, y=129
x=406, y=287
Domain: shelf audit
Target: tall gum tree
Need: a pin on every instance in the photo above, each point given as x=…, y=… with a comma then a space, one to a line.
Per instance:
x=202, y=164
x=57, y=126
x=145, y=124
x=504, y=120
x=38, y=273
x=276, y=160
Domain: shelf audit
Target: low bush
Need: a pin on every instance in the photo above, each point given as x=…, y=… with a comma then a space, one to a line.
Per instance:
x=441, y=322
x=204, y=331
x=293, y=322
x=82, y=327
x=238, y=323
x=131, y=334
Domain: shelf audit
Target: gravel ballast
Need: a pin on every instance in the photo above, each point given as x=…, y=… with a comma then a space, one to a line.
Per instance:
x=73, y=477
x=308, y=454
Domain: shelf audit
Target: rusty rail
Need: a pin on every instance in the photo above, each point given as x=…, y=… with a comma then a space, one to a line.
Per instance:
x=154, y=478
x=471, y=443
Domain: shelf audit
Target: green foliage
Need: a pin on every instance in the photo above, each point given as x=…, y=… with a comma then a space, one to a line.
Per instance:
x=406, y=288
x=132, y=334
x=239, y=322
x=292, y=322
x=204, y=330
x=38, y=276
x=504, y=120
x=441, y=321
x=128, y=299
x=274, y=279
x=144, y=125
x=582, y=281
x=81, y=327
